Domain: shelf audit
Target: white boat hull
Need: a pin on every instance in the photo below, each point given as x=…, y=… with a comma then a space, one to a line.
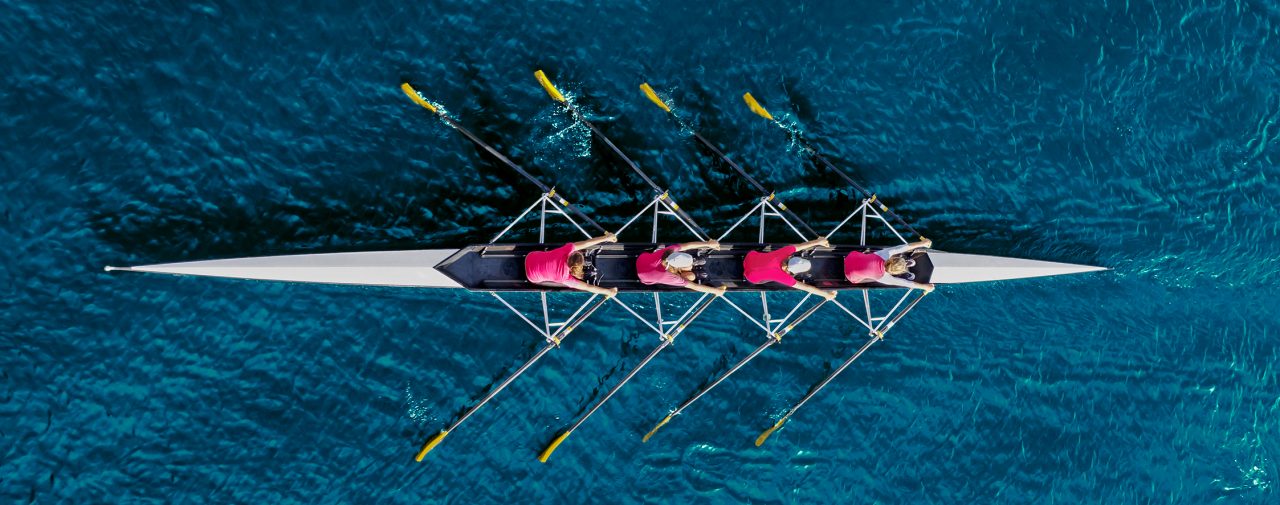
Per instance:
x=383, y=268
x=417, y=268
x=956, y=268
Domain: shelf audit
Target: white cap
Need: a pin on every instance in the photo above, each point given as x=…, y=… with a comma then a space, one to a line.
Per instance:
x=797, y=265
x=680, y=260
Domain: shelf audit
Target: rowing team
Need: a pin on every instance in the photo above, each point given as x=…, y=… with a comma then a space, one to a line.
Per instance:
x=673, y=266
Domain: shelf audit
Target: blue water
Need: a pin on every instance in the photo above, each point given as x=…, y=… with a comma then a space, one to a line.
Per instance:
x=1141, y=136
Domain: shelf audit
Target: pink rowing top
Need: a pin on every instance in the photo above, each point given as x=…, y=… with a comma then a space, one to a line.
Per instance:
x=863, y=267
x=549, y=266
x=761, y=267
x=650, y=270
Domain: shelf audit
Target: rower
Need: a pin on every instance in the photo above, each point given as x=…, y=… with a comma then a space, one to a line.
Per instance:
x=780, y=266
x=565, y=266
x=885, y=266
x=673, y=266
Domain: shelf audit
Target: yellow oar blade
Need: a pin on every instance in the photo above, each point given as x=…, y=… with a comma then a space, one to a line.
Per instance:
x=655, y=429
x=431, y=442
x=653, y=97
x=765, y=436
x=551, y=88
x=756, y=108
x=417, y=98
x=546, y=453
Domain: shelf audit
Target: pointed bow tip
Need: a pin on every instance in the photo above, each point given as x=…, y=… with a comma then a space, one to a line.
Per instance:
x=110, y=268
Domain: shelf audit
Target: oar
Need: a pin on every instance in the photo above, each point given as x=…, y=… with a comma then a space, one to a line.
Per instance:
x=812, y=151
x=666, y=341
x=444, y=116
x=578, y=116
x=552, y=343
x=770, y=194
x=876, y=336
x=773, y=339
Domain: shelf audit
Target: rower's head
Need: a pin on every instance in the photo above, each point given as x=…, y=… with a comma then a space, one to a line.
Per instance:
x=895, y=265
x=577, y=264
x=679, y=261
x=798, y=265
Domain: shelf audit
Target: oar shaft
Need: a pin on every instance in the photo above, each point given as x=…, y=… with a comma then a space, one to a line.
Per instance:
x=750, y=180
x=635, y=370
x=506, y=382
x=417, y=98
x=625, y=159
x=551, y=344
x=830, y=377
x=849, y=180
x=878, y=336
x=578, y=116
x=666, y=341
x=724, y=376
x=541, y=185
x=773, y=339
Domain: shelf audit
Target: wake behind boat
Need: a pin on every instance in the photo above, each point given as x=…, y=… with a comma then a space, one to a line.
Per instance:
x=498, y=268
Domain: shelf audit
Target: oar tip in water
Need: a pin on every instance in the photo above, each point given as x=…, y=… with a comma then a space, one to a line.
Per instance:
x=655, y=429
x=431, y=444
x=756, y=107
x=765, y=436
x=551, y=88
x=546, y=453
x=417, y=97
x=653, y=97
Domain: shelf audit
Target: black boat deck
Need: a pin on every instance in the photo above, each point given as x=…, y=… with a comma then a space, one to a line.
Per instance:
x=500, y=267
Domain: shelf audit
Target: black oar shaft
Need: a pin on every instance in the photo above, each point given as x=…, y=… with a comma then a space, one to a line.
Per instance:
x=750, y=180
x=773, y=339
x=507, y=161
x=675, y=207
x=766, y=193
x=578, y=116
x=876, y=337
x=850, y=181
x=553, y=342
x=440, y=113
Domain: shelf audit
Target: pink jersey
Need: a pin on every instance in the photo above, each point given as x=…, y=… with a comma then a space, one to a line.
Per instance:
x=863, y=267
x=650, y=270
x=549, y=266
x=761, y=267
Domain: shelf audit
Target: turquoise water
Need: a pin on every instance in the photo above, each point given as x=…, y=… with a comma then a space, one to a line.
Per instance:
x=1134, y=135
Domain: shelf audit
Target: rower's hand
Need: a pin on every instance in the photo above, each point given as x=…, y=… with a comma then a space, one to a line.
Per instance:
x=720, y=290
x=928, y=288
x=830, y=295
x=714, y=245
x=822, y=241
x=611, y=292
x=927, y=243
x=610, y=237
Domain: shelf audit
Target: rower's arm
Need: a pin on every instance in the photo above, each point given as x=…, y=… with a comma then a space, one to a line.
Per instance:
x=820, y=241
x=709, y=244
x=591, y=288
x=592, y=242
x=813, y=290
x=903, y=283
x=702, y=288
x=889, y=252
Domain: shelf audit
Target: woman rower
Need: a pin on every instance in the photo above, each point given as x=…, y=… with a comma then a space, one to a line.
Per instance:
x=884, y=266
x=565, y=265
x=673, y=266
x=780, y=266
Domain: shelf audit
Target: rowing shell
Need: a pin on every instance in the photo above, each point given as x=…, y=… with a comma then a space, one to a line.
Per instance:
x=491, y=267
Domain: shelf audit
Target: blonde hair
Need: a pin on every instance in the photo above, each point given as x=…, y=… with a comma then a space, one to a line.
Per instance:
x=895, y=265
x=577, y=265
